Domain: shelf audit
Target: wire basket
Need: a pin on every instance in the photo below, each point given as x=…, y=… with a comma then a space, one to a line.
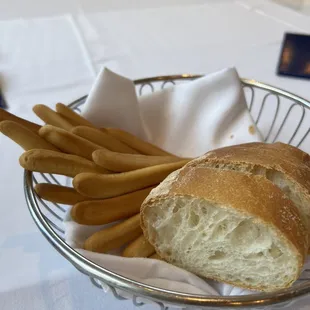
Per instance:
x=279, y=115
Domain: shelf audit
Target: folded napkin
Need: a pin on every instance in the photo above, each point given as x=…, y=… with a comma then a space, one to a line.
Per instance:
x=188, y=119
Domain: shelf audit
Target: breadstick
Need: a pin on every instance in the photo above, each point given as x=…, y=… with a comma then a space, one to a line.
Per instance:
x=142, y=146
x=59, y=194
x=114, y=237
x=68, y=142
x=96, y=185
x=46, y=161
x=51, y=117
x=65, y=111
x=6, y=116
x=155, y=256
x=139, y=248
x=102, y=138
x=99, y=212
x=72, y=122
x=120, y=162
x=26, y=138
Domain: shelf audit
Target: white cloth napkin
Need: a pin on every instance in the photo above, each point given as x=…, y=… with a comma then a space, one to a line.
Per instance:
x=188, y=119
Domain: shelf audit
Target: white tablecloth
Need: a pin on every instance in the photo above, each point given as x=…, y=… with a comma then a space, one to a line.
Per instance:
x=55, y=59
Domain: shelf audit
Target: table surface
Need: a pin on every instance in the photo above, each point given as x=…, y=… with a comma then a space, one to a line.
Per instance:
x=54, y=52
x=39, y=8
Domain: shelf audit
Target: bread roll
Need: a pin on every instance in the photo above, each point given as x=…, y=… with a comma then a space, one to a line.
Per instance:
x=234, y=226
x=289, y=151
x=284, y=165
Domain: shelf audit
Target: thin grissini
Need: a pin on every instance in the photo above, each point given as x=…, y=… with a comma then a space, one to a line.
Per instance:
x=72, y=122
x=120, y=162
x=136, y=143
x=115, y=236
x=97, y=185
x=103, y=139
x=51, y=117
x=139, y=248
x=155, y=256
x=68, y=142
x=47, y=161
x=7, y=116
x=59, y=194
x=99, y=212
x=75, y=118
x=24, y=137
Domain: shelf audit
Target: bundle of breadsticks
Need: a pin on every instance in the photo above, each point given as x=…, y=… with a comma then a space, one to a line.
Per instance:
x=112, y=170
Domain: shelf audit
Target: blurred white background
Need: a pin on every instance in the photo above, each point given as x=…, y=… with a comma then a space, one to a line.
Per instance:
x=37, y=8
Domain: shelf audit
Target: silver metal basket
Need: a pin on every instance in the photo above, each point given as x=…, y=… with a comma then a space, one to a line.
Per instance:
x=279, y=115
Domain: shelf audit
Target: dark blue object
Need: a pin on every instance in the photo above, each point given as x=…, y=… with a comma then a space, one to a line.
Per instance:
x=3, y=104
x=295, y=56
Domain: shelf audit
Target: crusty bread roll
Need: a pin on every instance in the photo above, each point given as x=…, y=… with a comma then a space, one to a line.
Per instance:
x=232, y=216
x=284, y=165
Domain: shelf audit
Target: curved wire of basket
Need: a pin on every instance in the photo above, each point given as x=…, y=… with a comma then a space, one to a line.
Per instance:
x=49, y=216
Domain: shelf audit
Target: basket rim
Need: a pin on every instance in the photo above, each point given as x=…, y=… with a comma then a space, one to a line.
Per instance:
x=136, y=288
